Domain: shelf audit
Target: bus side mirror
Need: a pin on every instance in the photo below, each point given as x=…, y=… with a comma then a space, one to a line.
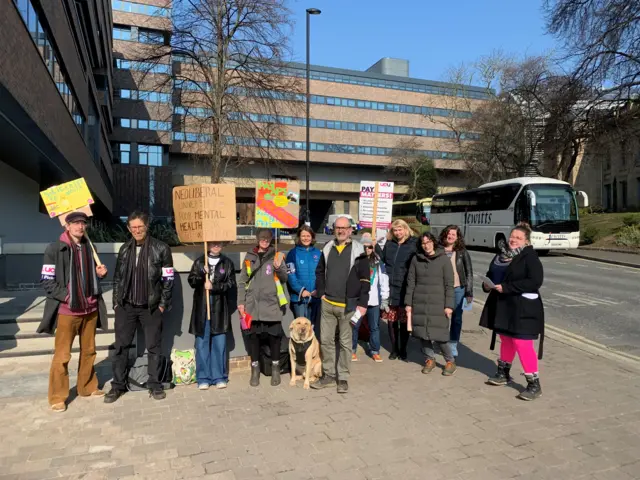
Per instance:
x=532, y=198
x=583, y=199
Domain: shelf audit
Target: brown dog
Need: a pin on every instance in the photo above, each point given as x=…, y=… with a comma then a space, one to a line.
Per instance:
x=304, y=351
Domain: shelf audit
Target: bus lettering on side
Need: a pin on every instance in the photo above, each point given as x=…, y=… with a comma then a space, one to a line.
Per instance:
x=477, y=218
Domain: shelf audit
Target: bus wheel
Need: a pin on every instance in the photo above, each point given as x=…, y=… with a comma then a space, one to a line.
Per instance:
x=543, y=253
x=501, y=243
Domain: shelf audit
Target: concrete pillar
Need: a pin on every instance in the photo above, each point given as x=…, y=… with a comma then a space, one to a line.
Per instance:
x=353, y=210
x=338, y=207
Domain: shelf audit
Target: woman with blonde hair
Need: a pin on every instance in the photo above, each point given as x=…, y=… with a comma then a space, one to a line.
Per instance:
x=514, y=310
x=396, y=256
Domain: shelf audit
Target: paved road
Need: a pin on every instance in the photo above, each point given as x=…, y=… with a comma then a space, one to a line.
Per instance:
x=594, y=300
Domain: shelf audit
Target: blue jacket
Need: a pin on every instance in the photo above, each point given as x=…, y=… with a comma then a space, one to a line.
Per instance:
x=301, y=266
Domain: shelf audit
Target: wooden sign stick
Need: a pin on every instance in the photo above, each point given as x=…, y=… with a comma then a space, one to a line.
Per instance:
x=206, y=292
x=93, y=250
x=375, y=212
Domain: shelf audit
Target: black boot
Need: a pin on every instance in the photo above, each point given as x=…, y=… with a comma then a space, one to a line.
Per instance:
x=533, y=390
x=502, y=376
x=255, y=375
x=275, y=374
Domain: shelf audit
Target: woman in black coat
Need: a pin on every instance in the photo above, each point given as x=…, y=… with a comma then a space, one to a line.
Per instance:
x=514, y=309
x=430, y=302
x=396, y=256
x=218, y=278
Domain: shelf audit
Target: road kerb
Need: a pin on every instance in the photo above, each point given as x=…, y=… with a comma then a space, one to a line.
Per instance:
x=602, y=260
x=581, y=343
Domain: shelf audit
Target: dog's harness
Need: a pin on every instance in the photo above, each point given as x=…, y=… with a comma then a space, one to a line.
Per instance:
x=301, y=351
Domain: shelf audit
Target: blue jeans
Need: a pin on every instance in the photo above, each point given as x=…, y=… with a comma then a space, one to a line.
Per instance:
x=211, y=357
x=373, y=319
x=456, y=319
x=308, y=309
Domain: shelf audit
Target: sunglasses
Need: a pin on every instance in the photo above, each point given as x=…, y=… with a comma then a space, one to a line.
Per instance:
x=369, y=247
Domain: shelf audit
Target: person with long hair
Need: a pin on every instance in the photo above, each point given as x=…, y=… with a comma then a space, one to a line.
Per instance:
x=378, y=300
x=514, y=309
x=261, y=297
x=302, y=262
x=396, y=256
x=430, y=301
x=452, y=241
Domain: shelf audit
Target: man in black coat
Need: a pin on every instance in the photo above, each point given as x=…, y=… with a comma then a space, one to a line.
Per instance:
x=142, y=286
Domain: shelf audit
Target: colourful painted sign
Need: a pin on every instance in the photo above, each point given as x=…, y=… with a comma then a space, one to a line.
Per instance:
x=277, y=204
x=66, y=197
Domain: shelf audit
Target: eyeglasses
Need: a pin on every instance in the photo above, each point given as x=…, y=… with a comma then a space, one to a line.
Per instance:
x=342, y=228
x=369, y=247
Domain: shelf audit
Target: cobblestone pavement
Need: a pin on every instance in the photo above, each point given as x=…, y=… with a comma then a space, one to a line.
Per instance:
x=394, y=423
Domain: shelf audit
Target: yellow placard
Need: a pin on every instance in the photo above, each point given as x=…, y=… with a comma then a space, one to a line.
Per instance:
x=66, y=197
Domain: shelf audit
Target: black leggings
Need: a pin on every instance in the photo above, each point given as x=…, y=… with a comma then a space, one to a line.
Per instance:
x=253, y=342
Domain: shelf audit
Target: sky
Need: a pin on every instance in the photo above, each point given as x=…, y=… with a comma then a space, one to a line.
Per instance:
x=434, y=35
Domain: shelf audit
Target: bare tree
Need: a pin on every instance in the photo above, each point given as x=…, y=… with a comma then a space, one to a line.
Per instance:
x=419, y=169
x=603, y=39
x=534, y=120
x=229, y=78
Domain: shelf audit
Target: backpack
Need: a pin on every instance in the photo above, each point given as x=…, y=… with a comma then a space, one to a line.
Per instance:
x=139, y=373
x=265, y=357
x=184, y=366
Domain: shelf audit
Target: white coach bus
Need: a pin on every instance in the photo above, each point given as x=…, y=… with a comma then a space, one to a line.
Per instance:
x=487, y=214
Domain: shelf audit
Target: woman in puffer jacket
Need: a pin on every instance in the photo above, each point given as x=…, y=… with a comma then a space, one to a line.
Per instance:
x=301, y=267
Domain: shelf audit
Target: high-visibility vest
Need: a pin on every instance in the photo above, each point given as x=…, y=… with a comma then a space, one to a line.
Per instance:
x=282, y=299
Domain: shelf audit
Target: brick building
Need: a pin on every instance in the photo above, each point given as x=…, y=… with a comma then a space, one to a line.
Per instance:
x=356, y=118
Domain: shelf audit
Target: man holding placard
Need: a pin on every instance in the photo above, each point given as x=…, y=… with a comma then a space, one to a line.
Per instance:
x=142, y=286
x=74, y=307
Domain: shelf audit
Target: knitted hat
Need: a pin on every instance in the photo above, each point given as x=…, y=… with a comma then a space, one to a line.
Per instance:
x=366, y=239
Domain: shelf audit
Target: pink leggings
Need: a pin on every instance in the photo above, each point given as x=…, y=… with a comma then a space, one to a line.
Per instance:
x=525, y=350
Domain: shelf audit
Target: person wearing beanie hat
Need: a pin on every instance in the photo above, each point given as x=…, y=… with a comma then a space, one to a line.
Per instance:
x=378, y=300
x=74, y=306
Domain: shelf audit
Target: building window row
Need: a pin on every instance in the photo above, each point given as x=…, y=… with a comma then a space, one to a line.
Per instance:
x=133, y=7
x=314, y=146
x=142, y=124
x=351, y=126
x=147, y=154
x=144, y=95
x=419, y=87
x=140, y=35
x=393, y=84
x=148, y=67
x=50, y=57
x=328, y=124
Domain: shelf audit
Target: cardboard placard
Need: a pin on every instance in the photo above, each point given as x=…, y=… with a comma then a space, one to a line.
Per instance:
x=277, y=204
x=67, y=197
x=205, y=212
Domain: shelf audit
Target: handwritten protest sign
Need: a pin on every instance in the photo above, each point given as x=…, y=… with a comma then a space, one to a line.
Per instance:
x=205, y=212
x=66, y=197
x=277, y=204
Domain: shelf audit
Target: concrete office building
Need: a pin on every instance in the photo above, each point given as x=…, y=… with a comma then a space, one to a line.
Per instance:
x=356, y=119
x=55, y=109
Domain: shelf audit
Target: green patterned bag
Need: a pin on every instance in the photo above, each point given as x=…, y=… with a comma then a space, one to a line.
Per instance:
x=184, y=366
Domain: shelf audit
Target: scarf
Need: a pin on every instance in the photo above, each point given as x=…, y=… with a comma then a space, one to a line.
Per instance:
x=83, y=281
x=506, y=255
x=138, y=274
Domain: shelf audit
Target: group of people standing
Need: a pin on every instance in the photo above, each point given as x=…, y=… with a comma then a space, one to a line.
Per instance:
x=418, y=285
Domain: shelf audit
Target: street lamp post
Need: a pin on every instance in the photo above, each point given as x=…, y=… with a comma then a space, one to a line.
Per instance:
x=310, y=11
